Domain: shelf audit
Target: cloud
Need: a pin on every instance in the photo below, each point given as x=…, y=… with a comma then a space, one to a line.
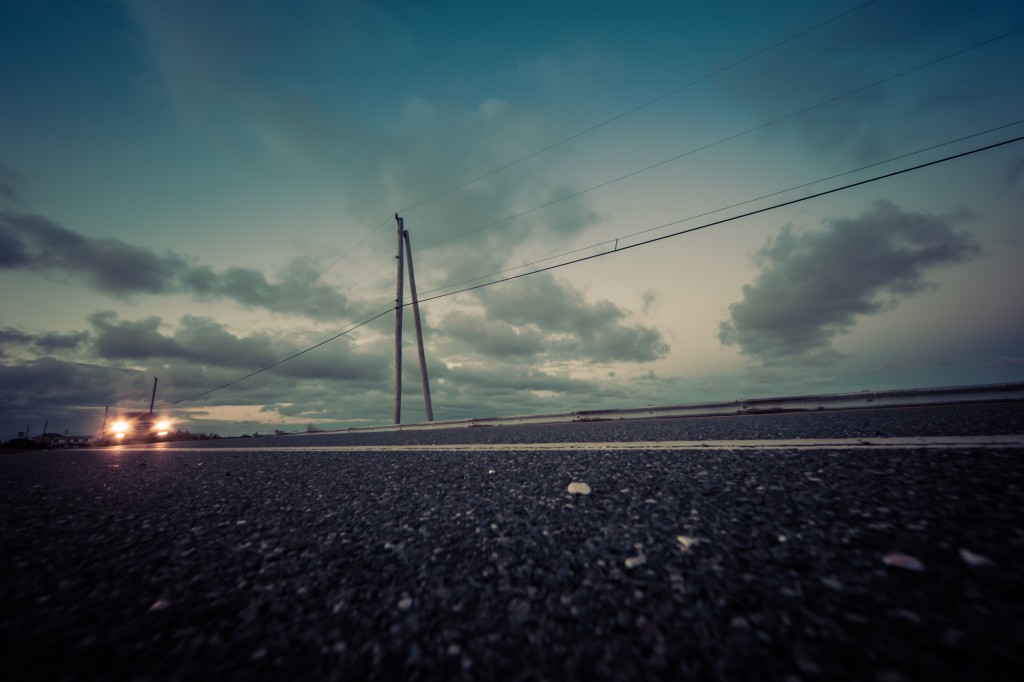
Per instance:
x=13, y=337
x=1014, y=171
x=596, y=332
x=47, y=343
x=68, y=394
x=501, y=379
x=122, y=340
x=203, y=342
x=812, y=286
x=114, y=363
x=871, y=124
x=503, y=388
x=113, y=267
x=544, y=318
x=650, y=301
x=108, y=265
x=10, y=181
x=916, y=363
x=495, y=387
x=495, y=338
x=251, y=78
x=1006, y=361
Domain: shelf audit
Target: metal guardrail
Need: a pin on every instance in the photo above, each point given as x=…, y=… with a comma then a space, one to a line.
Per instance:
x=807, y=403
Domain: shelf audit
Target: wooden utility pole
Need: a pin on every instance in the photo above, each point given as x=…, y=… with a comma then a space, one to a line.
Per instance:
x=153, y=399
x=419, y=331
x=398, y=325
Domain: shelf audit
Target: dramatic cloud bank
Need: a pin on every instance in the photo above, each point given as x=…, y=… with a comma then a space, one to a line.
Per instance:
x=541, y=317
x=110, y=266
x=812, y=286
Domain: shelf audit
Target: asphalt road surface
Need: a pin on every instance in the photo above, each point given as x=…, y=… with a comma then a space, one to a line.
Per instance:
x=268, y=558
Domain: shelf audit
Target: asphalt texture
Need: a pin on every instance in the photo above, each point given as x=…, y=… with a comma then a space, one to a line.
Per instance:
x=711, y=564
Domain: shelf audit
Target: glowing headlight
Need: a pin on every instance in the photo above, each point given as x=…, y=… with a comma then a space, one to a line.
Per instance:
x=163, y=425
x=120, y=427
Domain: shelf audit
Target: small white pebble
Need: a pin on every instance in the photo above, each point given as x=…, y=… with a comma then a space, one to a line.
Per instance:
x=686, y=542
x=832, y=583
x=904, y=561
x=976, y=560
x=160, y=605
x=578, y=488
x=634, y=561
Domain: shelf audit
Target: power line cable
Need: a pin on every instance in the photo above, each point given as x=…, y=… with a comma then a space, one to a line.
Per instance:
x=386, y=306
x=332, y=337
x=730, y=219
x=570, y=138
x=321, y=274
x=678, y=233
x=592, y=128
x=639, y=106
x=723, y=140
x=633, y=173
x=349, y=287
x=726, y=208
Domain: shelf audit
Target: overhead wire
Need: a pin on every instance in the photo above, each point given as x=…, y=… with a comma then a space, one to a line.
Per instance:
x=728, y=138
x=379, y=312
x=635, y=172
x=729, y=219
x=320, y=274
x=322, y=341
x=330, y=336
x=615, y=240
x=562, y=141
x=348, y=288
x=638, y=107
x=398, y=304
x=387, y=306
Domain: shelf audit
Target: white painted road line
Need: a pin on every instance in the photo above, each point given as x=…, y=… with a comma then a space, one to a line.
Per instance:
x=930, y=443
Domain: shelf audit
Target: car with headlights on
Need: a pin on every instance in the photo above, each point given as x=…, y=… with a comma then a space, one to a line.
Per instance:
x=137, y=427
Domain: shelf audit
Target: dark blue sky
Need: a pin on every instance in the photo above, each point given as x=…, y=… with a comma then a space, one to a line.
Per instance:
x=193, y=190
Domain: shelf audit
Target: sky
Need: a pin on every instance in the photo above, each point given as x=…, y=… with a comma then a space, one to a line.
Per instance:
x=205, y=192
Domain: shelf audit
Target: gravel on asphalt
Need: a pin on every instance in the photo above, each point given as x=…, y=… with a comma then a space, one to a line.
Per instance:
x=775, y=565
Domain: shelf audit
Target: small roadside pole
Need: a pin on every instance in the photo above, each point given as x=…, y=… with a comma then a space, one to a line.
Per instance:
x=398, y=326
x=419, y=331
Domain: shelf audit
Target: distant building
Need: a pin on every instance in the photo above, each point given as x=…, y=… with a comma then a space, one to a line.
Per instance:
x=60, y=440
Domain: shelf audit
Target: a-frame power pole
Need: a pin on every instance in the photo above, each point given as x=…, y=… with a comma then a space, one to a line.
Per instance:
x=398, y=323
x=403, y=241
x=428, y=408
